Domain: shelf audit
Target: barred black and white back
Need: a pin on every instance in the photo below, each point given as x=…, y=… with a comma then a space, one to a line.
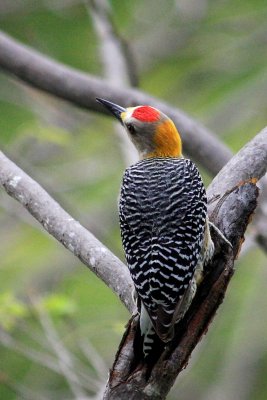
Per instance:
x=163, y=217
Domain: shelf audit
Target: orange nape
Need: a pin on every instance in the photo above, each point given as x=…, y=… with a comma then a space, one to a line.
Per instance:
x=167, y=141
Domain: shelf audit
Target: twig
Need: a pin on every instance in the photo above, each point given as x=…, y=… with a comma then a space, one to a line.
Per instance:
x=22, y=391
x=93, y=357
x=37, y=356
x=118, y=69
x=64, y=359
x=116, y=65
x=43, y=358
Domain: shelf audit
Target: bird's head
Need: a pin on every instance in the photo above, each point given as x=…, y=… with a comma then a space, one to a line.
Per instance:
x=151, y=131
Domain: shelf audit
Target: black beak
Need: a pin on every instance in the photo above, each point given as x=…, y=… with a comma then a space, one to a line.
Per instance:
x=112, y=108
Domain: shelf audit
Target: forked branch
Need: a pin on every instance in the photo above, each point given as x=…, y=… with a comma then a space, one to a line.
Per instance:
x=131, y=378
x=235, y=185
x=81, y=89
x=232, y=203
x=231, y=217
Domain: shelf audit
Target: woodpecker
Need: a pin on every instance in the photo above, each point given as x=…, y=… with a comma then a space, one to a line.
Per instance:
x=163, y=220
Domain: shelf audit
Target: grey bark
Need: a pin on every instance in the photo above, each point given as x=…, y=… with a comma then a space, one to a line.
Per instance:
x=233, y=199
x=233, y=188
x=232, y=217
x=67, y=230
x=250, y=162
x=133, y=379
x=82, y=89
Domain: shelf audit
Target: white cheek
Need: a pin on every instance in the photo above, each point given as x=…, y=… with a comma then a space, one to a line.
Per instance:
x=128, y=115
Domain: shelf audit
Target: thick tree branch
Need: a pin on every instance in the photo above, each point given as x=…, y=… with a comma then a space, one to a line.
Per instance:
x=66, y=230
x=250, y=162
x=232, y=217
x=236, y=201
x=232, y=197
x=81, y=89
x=131, y=378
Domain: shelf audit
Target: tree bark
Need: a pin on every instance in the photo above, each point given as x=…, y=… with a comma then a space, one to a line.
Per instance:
x=135, y=380
x=81, y=89
x=232, y=201
x=67, y=230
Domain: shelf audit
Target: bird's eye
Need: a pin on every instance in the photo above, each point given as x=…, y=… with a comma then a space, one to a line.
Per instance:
x=131, y=128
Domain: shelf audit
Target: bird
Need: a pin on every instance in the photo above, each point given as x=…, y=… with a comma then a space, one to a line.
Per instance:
x=164, y=223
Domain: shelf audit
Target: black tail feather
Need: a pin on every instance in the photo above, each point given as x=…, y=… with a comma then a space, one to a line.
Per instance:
x=152, y=353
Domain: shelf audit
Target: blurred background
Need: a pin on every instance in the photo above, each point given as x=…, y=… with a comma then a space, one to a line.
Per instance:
x=59, y=325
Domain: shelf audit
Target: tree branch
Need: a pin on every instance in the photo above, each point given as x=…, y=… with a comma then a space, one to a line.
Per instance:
x=133, y=379
x=116, y=65
x=66, y=230
x=250, y=162
x=81, y=89
x=232, y=217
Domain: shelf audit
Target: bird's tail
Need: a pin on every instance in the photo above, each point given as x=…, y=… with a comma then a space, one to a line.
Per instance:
x=147, y=344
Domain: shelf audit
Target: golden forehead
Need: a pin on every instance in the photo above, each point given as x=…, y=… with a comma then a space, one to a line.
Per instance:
x=128, y=113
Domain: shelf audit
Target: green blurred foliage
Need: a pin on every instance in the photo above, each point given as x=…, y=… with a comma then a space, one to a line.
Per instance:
x=209, y=59
x=10, y=310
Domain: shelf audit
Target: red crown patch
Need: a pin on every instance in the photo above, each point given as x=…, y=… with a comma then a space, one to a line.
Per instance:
x=146, y=114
